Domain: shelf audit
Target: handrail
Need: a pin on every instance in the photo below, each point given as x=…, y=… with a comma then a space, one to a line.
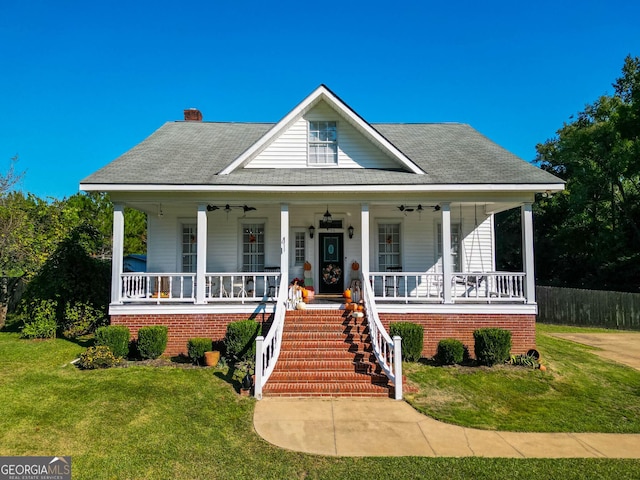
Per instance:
x=388, y=351
x=268, y=347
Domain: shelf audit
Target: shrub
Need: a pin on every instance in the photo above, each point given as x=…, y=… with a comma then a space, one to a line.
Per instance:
x=116, y=337
x=524, y=360
x=97, y=357
x=196, y=348
x=450, y=351
x=80, y=319
x=152, y=341
x=492, y=345
x=240, y=340
x=412, y=339
x=41, y=320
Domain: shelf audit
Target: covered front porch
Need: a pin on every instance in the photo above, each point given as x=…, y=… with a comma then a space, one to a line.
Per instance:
x=423, y=255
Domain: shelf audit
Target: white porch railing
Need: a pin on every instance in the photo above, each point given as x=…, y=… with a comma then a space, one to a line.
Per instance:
x=485, y=287
x=181, y=287
x=157, y=287
x=268, y=348
x=407, y=286
x=489, y=287
x=243, y=286
x=388, y=352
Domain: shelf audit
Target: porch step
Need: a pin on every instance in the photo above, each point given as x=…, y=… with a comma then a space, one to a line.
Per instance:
x=326, y=353
x=319, y=389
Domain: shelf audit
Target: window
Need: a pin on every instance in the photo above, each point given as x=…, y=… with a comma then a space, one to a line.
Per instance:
x=189, y=248
x=323, y=143
x=456, y=246
x=299, y=250
x=253, y=247
x=388, y=246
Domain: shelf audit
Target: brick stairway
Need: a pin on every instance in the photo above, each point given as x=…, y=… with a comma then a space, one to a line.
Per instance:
x=326, y=353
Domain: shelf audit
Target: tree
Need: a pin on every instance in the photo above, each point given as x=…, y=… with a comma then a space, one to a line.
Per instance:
x=589, y=235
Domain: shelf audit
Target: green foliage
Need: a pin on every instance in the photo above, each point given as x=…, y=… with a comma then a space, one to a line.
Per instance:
x=152, y=341
x=450, y=351
x=412, y=339
x=240, y=339
x=492, y=345
x=81, y=319
x=72, y=274
x=116, y=337
x=588, y=236
x=523, y=360
x=97, y=357
x=40, y=321
x=196, y=348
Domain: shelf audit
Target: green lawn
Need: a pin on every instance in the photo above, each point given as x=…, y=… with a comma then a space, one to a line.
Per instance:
x=144, y=422
x=580, y=392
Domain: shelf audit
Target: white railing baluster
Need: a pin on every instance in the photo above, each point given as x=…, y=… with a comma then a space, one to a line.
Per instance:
x=383, y=346
x=266, y=358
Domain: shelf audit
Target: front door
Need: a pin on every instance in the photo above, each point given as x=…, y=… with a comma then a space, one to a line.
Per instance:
x=331, y=263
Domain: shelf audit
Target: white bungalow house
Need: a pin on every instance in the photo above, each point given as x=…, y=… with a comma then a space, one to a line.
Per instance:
x=236, y=209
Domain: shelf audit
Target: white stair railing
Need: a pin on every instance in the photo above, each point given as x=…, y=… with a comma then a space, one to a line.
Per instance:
x=388, y=351
x=268, y=347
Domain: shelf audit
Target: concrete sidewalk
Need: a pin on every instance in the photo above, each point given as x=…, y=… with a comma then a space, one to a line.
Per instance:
x=385, y=427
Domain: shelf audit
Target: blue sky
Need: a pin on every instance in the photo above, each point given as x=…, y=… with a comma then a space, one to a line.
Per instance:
x=81, y=82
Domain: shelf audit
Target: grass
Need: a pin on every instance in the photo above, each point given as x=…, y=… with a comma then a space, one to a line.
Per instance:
x=156, y=423
x=579, y=392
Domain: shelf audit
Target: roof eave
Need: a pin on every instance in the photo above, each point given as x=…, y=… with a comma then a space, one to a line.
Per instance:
x=433, y=188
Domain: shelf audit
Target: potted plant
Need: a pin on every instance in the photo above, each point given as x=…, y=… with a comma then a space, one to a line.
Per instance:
x=246, y=369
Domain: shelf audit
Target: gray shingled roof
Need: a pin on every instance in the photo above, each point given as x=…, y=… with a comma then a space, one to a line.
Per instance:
x=192, y=153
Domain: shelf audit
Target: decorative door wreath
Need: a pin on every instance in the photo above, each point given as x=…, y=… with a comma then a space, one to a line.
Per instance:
x=331, y=274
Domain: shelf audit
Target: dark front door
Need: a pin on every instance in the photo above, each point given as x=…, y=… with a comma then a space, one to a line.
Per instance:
x=331, y=263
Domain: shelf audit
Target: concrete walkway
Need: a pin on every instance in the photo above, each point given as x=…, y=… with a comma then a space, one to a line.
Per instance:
x=385, y=427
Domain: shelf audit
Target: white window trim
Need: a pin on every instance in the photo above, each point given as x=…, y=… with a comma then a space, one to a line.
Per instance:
x=292, y=248
x=183, y=222
x=387, y=221
x=250, y=221
x=461, y=249
x=337, y=144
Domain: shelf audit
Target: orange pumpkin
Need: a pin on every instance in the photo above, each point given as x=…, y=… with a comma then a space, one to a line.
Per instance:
x=347, y=294
x=355, y=266
x=361, y=308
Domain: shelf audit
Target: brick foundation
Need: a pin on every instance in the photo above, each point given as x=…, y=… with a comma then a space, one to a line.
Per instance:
x=182, y=327
x=461, y=326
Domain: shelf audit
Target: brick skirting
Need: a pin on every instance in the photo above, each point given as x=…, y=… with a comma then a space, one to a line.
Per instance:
x=461, y=326
x=182, y=327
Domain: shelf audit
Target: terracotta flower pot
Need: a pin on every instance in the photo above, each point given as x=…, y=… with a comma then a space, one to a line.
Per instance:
x=211, y=359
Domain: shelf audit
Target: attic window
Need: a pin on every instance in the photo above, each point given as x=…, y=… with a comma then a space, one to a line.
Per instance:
x=323, y=143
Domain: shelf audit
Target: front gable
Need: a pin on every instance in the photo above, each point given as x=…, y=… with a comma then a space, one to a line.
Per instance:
x=287, y=144
x=354, y=150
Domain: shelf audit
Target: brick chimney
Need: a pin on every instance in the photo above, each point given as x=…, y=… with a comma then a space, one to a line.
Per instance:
x=192, y=115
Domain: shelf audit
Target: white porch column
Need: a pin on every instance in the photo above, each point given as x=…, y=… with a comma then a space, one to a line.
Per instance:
x=526, y=215
x=117, y=253
x=447, y=266
x=201, y=255
x=284, y=239
x=364, y=225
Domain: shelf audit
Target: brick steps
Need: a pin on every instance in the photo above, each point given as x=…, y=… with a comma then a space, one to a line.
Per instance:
x=326, y=353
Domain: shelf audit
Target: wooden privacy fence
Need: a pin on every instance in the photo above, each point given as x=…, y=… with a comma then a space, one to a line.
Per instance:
x=588, y=308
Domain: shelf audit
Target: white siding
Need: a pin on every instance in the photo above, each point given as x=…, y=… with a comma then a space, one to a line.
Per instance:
x=290, y=149
x=418, y=238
